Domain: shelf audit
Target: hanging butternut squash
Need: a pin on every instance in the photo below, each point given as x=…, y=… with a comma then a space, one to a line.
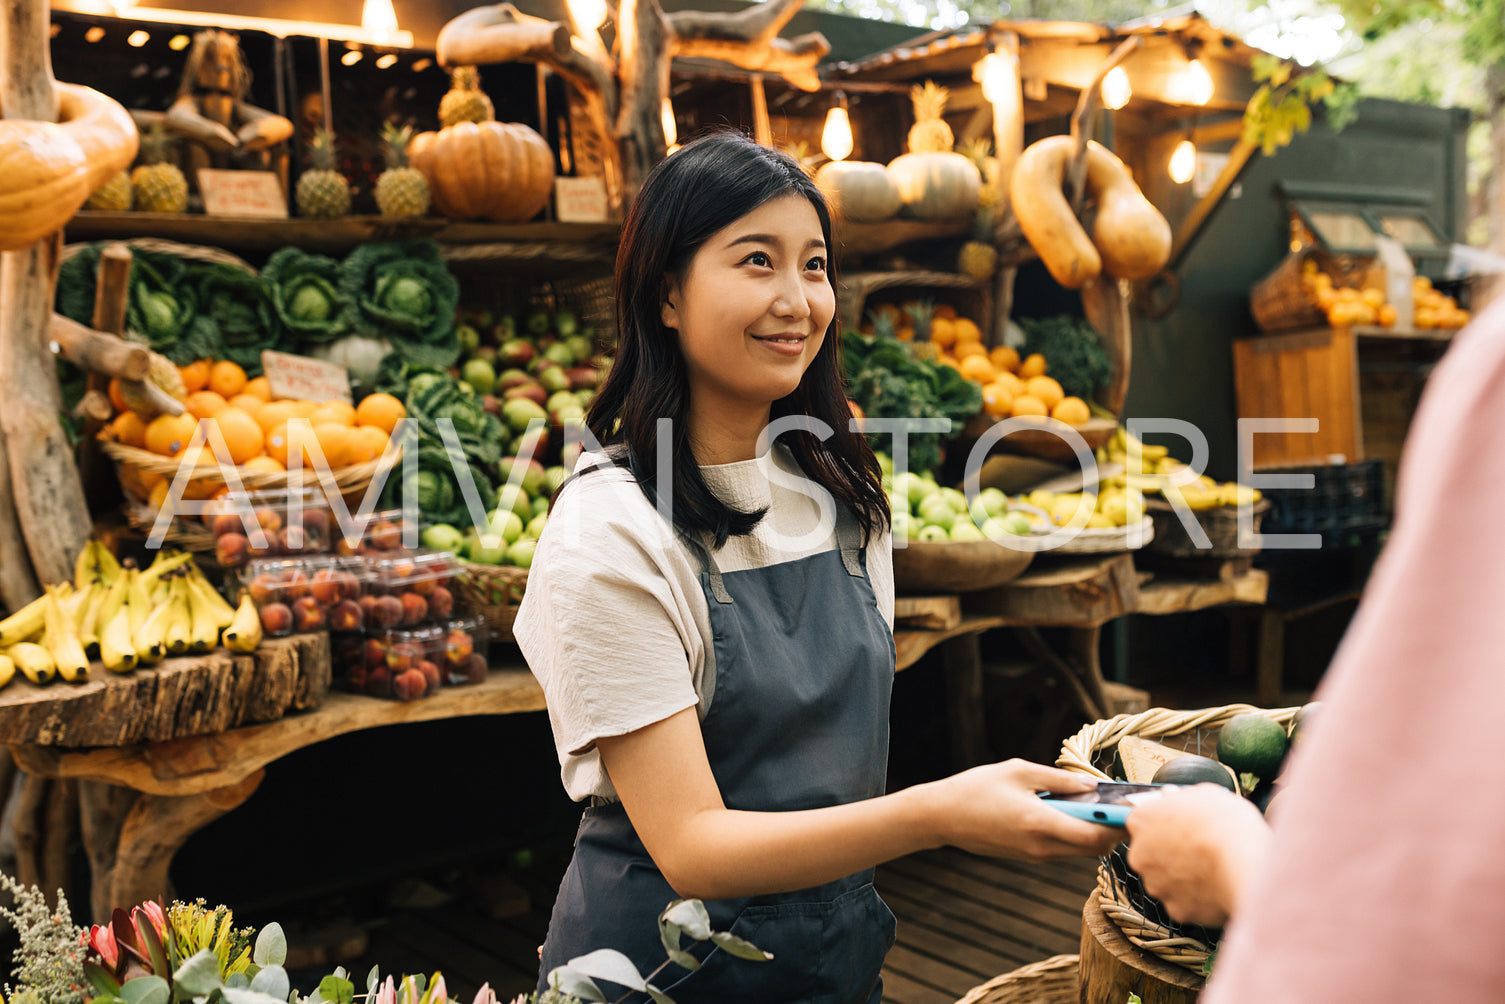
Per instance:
x=501, y=171
x=48, y=169
x=1130, y=238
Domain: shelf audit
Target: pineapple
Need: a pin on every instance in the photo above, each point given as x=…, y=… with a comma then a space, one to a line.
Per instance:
x=113, y=196
x=158, y=186
x=920, y=313
x=930, y=133
x=401, y=190
x=980, y=153
x=978, y=257
x=465, y=101
x=323, y=191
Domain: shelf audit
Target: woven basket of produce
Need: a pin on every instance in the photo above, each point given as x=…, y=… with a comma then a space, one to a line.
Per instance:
x=956, y=566
x=1238, y=746
x=493, y=592
x=1055, y=980
x=1108, y=539
x=1220, y=524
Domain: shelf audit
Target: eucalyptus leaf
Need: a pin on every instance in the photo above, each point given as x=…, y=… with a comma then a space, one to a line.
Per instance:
x=233, y=996
x=240, y=981
x=372, y=979
x=684, y=960
x=669, y=934
x=337, y=989
x=579, y=985
x=146, y=990
x=610, y=965
x=273, y=982
x=200, y=974
x=271, y=946
x=659, y=997
x=741, y=949
x=690, y=916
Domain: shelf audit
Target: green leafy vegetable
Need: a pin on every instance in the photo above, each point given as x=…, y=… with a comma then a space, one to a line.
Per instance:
x=234, y=312
x=887, y=381
x=306, y=295
x=1072, y=350
x=403, y=291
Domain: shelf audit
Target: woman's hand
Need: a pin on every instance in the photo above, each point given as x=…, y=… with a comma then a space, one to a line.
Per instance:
x=995, y=810
x=1195, y=849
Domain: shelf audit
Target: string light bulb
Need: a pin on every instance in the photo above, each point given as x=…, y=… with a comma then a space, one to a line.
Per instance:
x=178, y=43
x=671, y=129
x=1199, y=82
x=138, y=38
x=836, y=138
x=1116, y=88
x=998, y=75
x=589, y=15
x=378, y=17
x=386, y=60
x=1183, y=162
x=351, y=57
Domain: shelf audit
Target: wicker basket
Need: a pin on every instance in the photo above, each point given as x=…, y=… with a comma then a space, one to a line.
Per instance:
x=1279, y=301
x=1138, y=915
x=156, y=245
x=1051, y=981
x=1221, y=524
x=1109, y=540
x=956, y=566
x=974, y=296
x=493, y=592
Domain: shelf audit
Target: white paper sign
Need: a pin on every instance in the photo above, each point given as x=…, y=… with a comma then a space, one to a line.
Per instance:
x=305, y=379
x=580, y=200
x=242, y=193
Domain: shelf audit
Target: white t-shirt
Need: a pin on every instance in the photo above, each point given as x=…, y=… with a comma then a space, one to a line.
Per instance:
x=614, y=622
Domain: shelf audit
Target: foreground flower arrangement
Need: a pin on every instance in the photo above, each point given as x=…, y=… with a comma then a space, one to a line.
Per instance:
x=189, y=953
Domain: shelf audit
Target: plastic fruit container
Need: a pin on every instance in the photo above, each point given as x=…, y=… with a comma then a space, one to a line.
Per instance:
x=413, y=588
x=463, y=659
x=410, y=660
x=380, y=533
x=269, y=523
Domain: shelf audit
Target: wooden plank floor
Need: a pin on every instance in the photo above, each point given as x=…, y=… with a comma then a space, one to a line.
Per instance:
x=961, y=921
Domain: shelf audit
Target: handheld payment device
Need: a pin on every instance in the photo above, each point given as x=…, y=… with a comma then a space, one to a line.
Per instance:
x=1109, y=804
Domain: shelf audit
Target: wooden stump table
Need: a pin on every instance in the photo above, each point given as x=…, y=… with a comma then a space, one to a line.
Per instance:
x=1113, y=967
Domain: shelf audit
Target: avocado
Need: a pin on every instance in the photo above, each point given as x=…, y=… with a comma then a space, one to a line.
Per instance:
x=1253, y=744
x=1193, y=769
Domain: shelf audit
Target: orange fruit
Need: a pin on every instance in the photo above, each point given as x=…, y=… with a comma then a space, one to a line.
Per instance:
x=1386, y=315
x=168, y=434
x=1014, y=385
x=226, y=379
x=1072, y=411
x=1374, y=297
x=976, y=367
x=1027, y=405
x=946, y=311
x=1004, y=358
x=158, y=497
x=333, y=411
x=1033, y=366
x=380, y=410
x=116, y=398
x=942, y=332
x=274, y=414
x=130, y=430
x=305, y=409
x=264, y=465
x=334, y=442
x=248, y=403
x=967, y=330
x=277, y=441
x=261, y=387
x=243, y=436
x=368, y=443
x=195, y=375
x=905, y=334
x=204, y=404
x=997, y=400
x=1046, y=389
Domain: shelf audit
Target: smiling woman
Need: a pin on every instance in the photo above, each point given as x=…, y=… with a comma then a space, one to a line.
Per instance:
x=711, y=617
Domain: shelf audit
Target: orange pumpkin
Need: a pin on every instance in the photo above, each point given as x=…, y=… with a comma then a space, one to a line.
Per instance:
x=48, y=169
x=501, y=171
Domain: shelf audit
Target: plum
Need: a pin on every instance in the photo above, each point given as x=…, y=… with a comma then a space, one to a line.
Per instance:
x=414, y=608
x=409, y=685
x=276, y=618
x=308, y=615
x=231, y=550
x=442, y=603
x=346, y=616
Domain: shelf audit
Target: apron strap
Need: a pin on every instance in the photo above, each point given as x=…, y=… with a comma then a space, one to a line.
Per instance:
x=708, y=565
x=849, y=539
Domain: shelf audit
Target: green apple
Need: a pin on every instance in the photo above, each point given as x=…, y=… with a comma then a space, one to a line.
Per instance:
x=933, y=533
x=996, y=529
x=937, y=510
x=913, y=487
x=476, y=549
x=480, y=374
x=504, y=523
x=517, y=412
x=443, y=537
x=902, y=522
x=553, y=379
x=521, y=553
x=994, y=501
x=516, y=500
x=978, y=512
x=540, y=506
x=1018, y=523
x=955, y=499
x=885, y=464
x=553, y=477
x=964, y=530
x=535, y=526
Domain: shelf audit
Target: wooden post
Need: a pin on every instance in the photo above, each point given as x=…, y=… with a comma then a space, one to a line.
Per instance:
x=1113, y=967
x=44, y=482
x=762, y=131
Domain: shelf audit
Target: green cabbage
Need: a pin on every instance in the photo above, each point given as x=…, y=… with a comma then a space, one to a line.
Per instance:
x=305, y=293
x=404, y=292
x=235, y=312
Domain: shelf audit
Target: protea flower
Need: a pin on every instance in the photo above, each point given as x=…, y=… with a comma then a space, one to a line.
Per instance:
x=387, y=994
x=485, y=995
x=130, y=945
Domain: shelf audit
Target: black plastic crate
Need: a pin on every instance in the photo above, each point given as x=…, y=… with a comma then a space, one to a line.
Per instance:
x=1345, y=499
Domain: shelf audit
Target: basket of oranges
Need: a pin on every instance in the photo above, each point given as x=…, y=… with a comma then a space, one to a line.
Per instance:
x=243, y=434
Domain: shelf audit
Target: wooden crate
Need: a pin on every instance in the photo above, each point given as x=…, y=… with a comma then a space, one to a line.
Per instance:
x=1304, y=374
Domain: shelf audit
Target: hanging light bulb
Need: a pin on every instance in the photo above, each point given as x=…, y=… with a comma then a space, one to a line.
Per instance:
x=671, y=130
x=377, y=16
x=1199, y=83
x=588, y=14
x=138, y=38
x=386, y=60
x=178, y=43
x=1116, y=89
x=351, y=57
x=998, y=75
x=836, y=138
x=1183, y=162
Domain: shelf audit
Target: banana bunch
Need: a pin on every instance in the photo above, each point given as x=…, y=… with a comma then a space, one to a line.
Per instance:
x=127, y=617
x=1152, y=469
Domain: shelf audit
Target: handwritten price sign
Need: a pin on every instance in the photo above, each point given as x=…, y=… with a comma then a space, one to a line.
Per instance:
x=242, y=193
x=305, y=379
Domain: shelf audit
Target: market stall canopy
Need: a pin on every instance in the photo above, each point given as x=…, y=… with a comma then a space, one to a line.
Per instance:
x=851, y=38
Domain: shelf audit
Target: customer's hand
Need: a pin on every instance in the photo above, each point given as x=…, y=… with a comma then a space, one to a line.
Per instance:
x=995, y=810
x=1195, y=849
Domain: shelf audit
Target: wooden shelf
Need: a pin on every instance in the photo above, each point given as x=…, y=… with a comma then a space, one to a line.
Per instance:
x=328, y=236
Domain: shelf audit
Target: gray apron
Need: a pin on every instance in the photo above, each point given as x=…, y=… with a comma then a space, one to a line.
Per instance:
x=798, y=720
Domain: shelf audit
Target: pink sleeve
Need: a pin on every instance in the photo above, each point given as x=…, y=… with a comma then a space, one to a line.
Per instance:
x=1386, y=878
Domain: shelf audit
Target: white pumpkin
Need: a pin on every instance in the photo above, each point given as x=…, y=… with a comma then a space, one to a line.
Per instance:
x=861, y=191
x=936, y=186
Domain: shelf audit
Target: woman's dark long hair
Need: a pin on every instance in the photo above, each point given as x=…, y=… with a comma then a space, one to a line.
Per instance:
x=704, y=187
